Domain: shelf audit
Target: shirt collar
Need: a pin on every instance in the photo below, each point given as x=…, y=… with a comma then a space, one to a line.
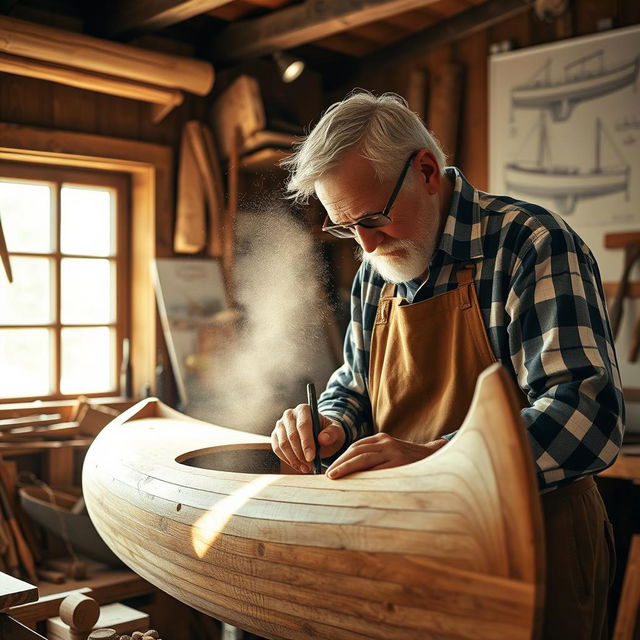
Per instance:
x=462, y=234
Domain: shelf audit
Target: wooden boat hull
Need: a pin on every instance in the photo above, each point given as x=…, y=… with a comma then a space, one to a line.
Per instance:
x=449, y=547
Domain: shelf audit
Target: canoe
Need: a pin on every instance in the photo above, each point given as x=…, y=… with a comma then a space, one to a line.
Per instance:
x=449, y=547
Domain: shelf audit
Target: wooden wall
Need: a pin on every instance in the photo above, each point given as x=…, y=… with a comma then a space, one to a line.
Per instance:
x=472, y=52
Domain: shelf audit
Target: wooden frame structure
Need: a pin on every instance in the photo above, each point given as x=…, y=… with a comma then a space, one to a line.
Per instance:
x=443, y=548
x=150, y=169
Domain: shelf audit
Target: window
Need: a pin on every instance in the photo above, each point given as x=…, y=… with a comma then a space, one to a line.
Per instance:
x=64, y=317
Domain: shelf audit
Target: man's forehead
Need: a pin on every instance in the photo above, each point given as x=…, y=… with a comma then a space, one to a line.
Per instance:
x=344, y=202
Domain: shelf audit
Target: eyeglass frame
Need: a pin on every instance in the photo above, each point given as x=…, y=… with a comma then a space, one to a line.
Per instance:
x=346, y=230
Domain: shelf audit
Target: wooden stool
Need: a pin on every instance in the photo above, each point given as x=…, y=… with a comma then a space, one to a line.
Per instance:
x=629, y=607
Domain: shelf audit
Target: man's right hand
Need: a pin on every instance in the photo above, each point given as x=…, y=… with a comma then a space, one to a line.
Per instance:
x=292, y=438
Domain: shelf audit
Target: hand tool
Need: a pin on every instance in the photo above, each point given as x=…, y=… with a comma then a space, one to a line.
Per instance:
x=315, y=421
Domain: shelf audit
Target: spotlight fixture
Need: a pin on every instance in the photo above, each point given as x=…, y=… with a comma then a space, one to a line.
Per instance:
x=290, y=67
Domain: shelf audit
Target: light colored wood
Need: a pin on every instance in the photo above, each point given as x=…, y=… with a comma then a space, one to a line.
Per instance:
x=115, y=616
x=14, y=592
x=51, y=45
x=79, y=612
x=301, y=24
x=190, y=232
x=104, y=585
x=240, y=105
x=92, y=81
x=126, y=15
x=442, y=548
x=629, y=607
x=211, y=179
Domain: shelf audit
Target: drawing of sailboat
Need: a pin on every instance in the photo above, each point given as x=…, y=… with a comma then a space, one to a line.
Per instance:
x=581, y=82
x=564, y=184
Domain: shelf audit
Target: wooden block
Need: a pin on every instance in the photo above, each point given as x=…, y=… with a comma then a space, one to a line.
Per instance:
x=115, y=616
x=80, y=612
x=14, y=592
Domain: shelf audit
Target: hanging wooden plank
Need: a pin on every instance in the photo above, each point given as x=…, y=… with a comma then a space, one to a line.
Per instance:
x=126, y=15
x=301, y=24
x=92, y=81
x=56, y=46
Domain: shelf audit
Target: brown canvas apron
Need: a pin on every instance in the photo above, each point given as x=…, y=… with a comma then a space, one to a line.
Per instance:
x=424, y=362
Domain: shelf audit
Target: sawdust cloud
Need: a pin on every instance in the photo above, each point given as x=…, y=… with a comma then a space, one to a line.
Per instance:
x=281, y=343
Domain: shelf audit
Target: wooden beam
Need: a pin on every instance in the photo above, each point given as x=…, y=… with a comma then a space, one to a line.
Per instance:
x=56, y=46
x=165, y=98
x=459, y=26
x=301, y=24
x=150, y=15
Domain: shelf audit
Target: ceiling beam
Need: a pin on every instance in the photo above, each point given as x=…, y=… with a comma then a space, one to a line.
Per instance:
x=125, y=16
x=301, y=24
x=456, y=27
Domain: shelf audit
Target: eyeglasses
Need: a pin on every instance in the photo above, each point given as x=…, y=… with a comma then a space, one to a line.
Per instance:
x=371, y=220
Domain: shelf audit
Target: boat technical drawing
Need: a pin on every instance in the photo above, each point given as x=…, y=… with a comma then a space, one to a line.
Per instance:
x=581, y=82
x=566, y=185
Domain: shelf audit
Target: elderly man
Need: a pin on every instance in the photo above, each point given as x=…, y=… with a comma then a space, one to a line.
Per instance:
x=452, y=280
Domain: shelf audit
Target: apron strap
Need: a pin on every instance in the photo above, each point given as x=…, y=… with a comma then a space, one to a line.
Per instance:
x=464, y=276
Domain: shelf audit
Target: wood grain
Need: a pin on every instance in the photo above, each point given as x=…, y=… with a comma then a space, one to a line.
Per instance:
x=56, y=46
x=442, y=548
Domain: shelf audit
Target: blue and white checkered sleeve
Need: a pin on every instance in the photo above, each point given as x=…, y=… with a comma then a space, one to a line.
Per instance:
x=562, y=351
x=346, y=398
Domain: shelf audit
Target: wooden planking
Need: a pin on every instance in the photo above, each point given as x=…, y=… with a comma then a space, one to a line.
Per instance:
x=473, y=20
x=401, y=539
x=51, y=45
x=14, y=592
x=300, y=24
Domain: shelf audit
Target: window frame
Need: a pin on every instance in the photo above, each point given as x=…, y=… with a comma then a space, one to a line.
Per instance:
x=119, y=182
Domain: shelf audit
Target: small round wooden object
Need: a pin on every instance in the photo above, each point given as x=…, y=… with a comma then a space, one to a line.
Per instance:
x=80, y=612
x=103, y=634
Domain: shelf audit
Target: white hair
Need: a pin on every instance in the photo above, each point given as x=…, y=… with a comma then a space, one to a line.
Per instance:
x=384, y=128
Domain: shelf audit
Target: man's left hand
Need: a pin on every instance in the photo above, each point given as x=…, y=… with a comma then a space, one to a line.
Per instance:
x=381, y=451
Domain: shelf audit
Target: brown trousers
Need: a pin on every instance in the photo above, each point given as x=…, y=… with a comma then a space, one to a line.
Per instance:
x=580, y=563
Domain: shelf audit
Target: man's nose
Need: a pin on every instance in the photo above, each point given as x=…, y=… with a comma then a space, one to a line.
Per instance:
x=369, y=239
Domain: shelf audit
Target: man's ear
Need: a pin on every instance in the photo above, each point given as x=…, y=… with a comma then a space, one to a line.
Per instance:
x=430, y=170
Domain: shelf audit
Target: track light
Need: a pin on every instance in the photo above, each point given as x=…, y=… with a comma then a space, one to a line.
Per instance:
x=290, y=67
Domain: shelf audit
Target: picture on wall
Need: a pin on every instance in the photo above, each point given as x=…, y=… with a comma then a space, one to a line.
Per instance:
x=564, y=128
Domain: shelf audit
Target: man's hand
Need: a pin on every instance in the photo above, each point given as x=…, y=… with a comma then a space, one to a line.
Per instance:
x=292, y=438
x=381, y=451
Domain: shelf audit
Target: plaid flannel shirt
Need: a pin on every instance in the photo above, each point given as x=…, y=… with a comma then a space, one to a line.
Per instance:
x=542, y=304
